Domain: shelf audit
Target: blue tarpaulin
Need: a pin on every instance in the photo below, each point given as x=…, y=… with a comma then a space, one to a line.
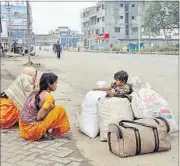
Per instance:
x=135, y=47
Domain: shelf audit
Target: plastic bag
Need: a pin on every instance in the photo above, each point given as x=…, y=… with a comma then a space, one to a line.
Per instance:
x=148, y=103
x=87, y=119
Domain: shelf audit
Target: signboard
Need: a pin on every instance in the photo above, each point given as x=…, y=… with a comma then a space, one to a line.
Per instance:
x=63, y=34
x=18, y=34
x=16, y=12
x=19, y=22
x=18, y=16
x=22, y=27
x=103, y=36
x=4, y=33
x=63, y=29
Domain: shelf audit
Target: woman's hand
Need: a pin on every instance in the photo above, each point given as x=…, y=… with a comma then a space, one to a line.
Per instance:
x=42, y=114
x=102, y=89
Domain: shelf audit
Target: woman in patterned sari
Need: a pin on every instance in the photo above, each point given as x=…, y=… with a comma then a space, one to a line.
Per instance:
x=40, y=115
x=12, y=100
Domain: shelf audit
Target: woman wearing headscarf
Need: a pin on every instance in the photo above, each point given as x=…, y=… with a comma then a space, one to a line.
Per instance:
x=12, y=99
x=40, y=116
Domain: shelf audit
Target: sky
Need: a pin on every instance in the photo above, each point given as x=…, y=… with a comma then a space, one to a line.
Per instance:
x=48, y=16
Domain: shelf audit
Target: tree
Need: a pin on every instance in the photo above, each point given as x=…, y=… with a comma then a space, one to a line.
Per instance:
x=162, y=16
x=173, y=13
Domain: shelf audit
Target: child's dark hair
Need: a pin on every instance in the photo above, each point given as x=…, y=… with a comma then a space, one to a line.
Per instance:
x=45, y=80
x=121, y=76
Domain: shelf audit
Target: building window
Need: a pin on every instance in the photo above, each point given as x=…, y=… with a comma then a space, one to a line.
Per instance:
x=102, y=19
x=135, y=29
x=97, y=31
x=121, y=5
x=102, y=29
x=121, y=17
x=127, y=7
x=127, y=30
x=98, y=8
x=127, y=18
x=133, y=17
x=133, y=5
x=98, y=20
x=102, y=6
x=117, y=29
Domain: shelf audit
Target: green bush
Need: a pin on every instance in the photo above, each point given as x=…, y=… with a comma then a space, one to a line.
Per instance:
x=116, y=49
x=106, y=49
x=161, y=49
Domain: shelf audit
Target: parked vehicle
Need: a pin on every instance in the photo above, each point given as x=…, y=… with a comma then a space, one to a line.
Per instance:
x=33, y=52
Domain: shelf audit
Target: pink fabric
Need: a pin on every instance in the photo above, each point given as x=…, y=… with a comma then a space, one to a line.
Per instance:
x=29, y=111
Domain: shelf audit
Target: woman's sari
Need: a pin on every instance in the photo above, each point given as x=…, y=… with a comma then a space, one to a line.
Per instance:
x=57, y=119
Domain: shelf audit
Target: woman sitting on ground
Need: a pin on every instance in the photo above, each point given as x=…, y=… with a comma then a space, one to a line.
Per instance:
x=40, y=115
x=12, y=100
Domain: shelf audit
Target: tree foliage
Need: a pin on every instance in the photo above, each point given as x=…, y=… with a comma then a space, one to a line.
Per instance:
x=162, y=15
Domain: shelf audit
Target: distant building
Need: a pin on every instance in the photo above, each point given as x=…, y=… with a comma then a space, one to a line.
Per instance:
x=68, y=37
x=110, y=21
x=17, y=12
x=64, y=35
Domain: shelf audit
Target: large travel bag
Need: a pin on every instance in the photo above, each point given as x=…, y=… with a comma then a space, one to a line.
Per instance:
x=142, y=136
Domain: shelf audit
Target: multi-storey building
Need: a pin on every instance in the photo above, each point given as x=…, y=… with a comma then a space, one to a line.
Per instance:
x=15, y=14
x=44, y=39
x=110, y=21
x=67, y=37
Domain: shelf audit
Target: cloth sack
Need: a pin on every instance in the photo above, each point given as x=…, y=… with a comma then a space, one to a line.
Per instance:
x=112, y=110
x=87, y=118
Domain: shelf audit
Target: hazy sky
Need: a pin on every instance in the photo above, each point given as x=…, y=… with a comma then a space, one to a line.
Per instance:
x=50, y=15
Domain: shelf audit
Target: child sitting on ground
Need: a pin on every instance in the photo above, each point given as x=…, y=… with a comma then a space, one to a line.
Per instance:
x=120, y=88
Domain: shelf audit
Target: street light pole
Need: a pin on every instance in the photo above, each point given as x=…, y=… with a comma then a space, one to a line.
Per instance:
x=0, y=32
x=139, y=29
x=28, y=30
x=9, y=30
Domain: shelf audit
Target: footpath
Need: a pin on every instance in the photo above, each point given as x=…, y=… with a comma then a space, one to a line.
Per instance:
x=17, y=152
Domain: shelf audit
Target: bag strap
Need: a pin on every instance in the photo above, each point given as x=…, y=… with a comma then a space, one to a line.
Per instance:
x=155, y=132
x=137, y=136
x=165, y=121
x=109, y=141
x=121, y=123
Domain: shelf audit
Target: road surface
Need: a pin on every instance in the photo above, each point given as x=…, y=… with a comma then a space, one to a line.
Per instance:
x=79, y=71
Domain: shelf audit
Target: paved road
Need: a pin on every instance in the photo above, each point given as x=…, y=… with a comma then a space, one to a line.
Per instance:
x=78, y=73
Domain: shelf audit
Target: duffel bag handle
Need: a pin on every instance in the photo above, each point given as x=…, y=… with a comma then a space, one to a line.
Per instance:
x=121, y=123
x=137, y=136
x=165, y=121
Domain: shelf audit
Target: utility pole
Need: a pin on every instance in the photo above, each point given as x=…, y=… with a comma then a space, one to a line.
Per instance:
x=9, y=29
x=0, y=32
x=28, y=30
x=68, y=39
x=139, y=28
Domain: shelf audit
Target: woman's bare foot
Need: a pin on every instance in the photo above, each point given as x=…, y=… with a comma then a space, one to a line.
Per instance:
x=67, y=136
